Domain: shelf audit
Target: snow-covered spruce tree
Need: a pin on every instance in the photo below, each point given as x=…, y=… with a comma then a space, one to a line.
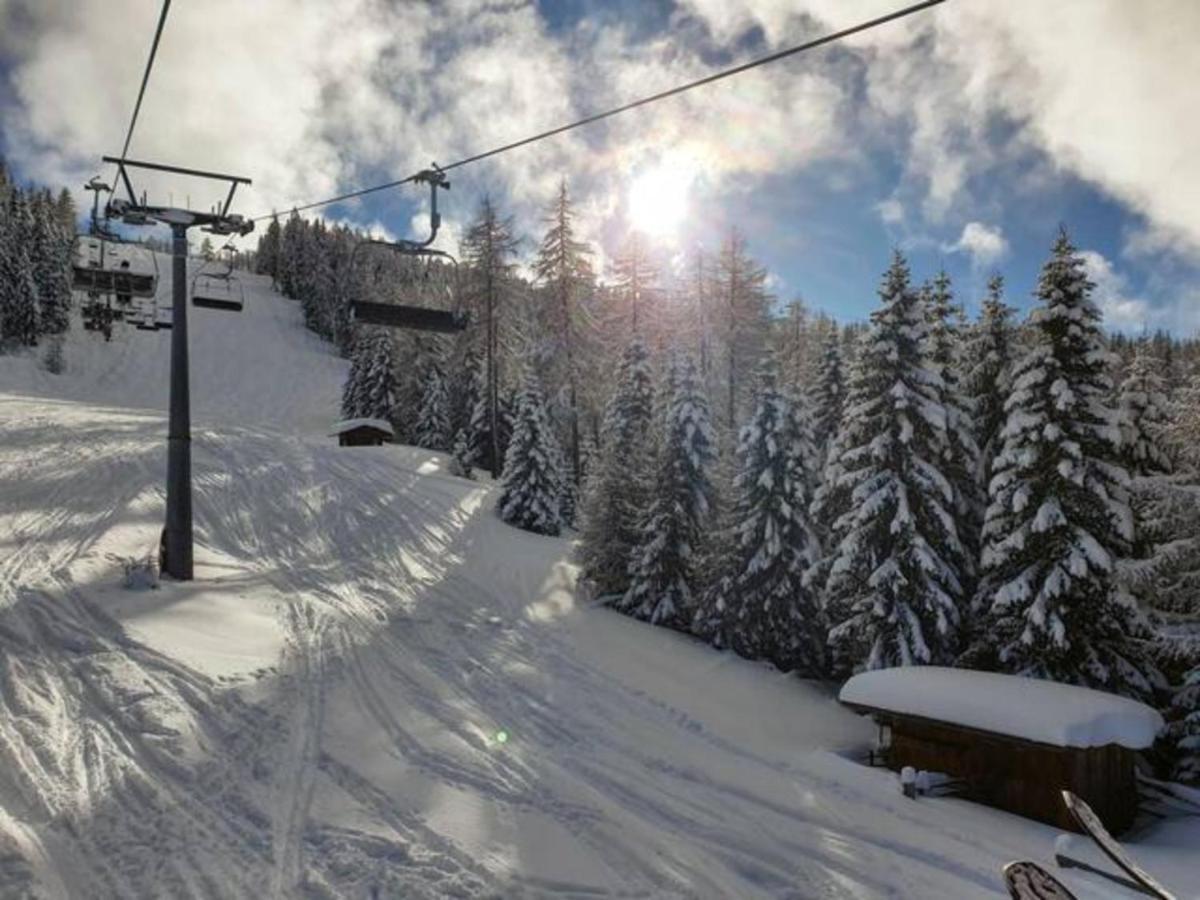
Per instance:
x=468, y=412
x=50, y=259
x=988, y=360
x=533, y=475
x=1183, y=433
x=291, y=250
x=1058, y=517
x=773, y=614
x=616, y=495
x=893, y=594
x=267, y=260
x=569, y=501
x=1183, y=732
x=1143, y=417
x=371, y=388
x=663, y=564
x=827, y=395
x=960, y=457
x=833, y=493
x=433, y=417
x=18, y=290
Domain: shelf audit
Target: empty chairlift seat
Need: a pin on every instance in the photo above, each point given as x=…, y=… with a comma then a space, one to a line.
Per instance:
x=218, y=292
x=105, y=266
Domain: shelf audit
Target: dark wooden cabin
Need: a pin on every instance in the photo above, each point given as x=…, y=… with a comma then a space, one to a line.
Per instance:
x=1014, y=772
x=363, y=433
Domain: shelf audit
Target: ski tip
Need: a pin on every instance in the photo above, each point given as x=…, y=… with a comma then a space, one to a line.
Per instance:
x=1027, y=880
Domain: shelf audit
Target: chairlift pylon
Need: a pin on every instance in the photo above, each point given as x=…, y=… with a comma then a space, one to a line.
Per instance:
x=398, y=315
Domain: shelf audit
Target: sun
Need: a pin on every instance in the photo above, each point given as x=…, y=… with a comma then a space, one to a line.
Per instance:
x=658, y=200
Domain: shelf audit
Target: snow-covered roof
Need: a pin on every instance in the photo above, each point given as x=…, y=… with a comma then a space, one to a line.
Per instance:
x=1044, y=711
x=350, y=424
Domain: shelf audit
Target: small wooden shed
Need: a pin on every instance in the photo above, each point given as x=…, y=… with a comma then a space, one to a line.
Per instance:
x=1015, y=743
x=363, y=433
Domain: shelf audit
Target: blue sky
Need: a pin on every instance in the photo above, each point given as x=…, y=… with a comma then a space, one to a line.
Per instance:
x=964, y=136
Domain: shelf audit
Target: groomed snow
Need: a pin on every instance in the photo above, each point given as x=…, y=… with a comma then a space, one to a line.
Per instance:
x=1042, y=711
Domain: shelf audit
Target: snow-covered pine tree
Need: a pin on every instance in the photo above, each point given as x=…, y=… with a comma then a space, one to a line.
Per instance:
x=291, y=249
x=616, y=495
x=827, y=395
x=988, y=359
x=569, y=501
x=1183, y=433
x=433, y=417
x=960, y=457
x=532, y=467
x=1183, y=731
x=772, y=614
x=893, y=594
x=1143, y=417
x=468, y=410
x=65, y=214
x=663, y=565
x=270, y=250
x=1058, y=517
x=371, y=387
x=49, y=256
x=833, y=493
x=18, y=289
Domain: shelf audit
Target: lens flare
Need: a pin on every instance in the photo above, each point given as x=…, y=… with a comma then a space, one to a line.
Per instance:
x=658, y=200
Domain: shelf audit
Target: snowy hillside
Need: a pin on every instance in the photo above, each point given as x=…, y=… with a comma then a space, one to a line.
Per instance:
x=374, y=688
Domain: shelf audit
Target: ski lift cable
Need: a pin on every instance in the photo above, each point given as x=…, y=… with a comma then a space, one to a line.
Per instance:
x=137, y=107
x=643, y=101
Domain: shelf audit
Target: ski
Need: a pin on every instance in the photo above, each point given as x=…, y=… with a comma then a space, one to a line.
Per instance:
x=1028, y=881
x=1090, y=822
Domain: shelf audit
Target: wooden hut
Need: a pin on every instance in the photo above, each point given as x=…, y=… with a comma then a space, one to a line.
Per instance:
x=363, y=433
x=1015, y=743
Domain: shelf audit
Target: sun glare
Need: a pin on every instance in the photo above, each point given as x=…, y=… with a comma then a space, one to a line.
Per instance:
x=658, y=200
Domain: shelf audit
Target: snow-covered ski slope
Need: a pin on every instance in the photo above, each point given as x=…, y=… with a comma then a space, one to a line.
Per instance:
x=374, y=688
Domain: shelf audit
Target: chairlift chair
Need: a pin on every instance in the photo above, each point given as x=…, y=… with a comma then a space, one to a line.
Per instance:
x=419, y=318
x=218, y=291
x=102, y=263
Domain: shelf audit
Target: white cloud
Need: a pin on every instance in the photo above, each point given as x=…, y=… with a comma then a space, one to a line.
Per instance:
x=985, y=244
x=891, y=211
x=1104, y=87
x=1111, y=295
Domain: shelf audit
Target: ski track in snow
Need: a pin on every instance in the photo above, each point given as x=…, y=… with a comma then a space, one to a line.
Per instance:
x=405, y=628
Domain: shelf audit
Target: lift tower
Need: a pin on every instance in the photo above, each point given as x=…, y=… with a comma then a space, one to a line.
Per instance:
x=175, y=550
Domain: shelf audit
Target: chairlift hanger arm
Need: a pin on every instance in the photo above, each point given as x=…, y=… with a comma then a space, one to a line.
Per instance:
x=435, y=178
